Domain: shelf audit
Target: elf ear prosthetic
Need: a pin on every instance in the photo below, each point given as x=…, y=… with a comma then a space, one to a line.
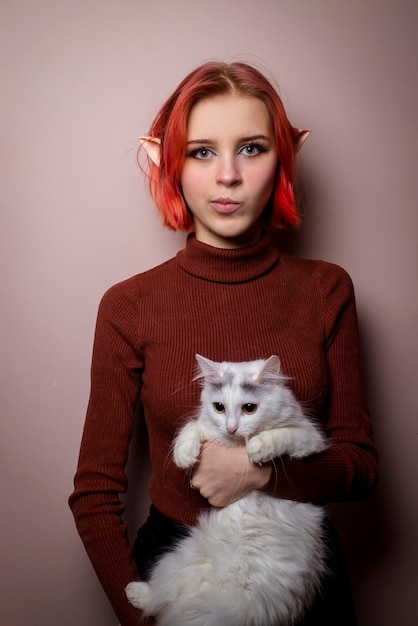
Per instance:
x=152, y=145
x=299, y=137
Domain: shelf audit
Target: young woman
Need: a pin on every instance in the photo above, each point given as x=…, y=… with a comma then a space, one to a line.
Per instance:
x=221, y=159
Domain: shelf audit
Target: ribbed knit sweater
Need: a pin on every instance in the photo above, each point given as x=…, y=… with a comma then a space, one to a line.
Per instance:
x=233, y=305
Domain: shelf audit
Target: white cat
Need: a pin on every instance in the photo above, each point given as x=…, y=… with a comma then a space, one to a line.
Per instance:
x=260, y=560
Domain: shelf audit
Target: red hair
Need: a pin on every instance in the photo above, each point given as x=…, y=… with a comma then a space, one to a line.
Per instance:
x=170, y=127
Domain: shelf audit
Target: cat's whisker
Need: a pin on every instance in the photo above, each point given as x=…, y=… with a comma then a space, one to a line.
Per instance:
x=276, y=476
x=284, y=472
x=242, y=480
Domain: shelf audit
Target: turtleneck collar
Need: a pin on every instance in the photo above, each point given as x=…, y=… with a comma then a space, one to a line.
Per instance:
x=222, y=265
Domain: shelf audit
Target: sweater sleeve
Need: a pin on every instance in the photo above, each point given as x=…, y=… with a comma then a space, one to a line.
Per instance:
x=348, y=469
x=100, y=476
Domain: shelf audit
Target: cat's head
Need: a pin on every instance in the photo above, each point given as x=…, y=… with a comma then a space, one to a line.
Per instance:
x=239, y=398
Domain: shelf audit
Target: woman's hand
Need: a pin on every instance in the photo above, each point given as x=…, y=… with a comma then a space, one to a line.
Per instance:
x=224, y=475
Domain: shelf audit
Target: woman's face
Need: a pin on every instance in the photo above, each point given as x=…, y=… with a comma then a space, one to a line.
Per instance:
x=229, y=170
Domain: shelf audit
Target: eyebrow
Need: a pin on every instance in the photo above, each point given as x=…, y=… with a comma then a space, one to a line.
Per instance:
x=242, y=139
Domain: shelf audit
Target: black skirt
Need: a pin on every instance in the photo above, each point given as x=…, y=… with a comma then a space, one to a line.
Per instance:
x=333, y=605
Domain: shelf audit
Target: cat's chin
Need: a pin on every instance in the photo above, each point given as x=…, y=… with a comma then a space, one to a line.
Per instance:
x=227, y=439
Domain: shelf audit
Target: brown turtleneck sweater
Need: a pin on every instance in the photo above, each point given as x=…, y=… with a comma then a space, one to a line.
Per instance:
x=234, y=305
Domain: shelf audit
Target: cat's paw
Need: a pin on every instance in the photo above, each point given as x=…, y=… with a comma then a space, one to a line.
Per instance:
x=137, y=594
x=260, y=449
x=187, y=453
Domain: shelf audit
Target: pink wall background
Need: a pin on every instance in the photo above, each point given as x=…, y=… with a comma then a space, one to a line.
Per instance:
x=80, y=80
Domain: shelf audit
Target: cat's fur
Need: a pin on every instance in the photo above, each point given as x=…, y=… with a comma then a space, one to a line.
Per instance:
x=260, y=560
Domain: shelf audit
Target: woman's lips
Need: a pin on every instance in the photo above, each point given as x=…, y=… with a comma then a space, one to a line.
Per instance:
x=225, y=205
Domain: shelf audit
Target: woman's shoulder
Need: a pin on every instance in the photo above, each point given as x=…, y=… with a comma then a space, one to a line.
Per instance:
x=330, y=277
x=313, y=266
x=131, y=290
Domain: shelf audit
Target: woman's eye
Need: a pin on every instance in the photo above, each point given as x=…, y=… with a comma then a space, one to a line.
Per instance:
x=252, y=149
x=201, y=153
x=249, y=408
x=219, y=407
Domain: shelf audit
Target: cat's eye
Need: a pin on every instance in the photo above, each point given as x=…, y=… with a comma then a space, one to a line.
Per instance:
x=249, y=408
x=219, y=407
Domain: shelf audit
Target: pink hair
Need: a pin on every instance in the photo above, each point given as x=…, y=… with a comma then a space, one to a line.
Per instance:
x=170, y=127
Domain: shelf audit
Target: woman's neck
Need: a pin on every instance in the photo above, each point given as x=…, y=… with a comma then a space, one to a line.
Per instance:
x=228, y=265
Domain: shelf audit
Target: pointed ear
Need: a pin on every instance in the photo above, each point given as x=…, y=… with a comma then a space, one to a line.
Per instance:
x=207, y=368
x=299, y=138
x=270, y=371
x=152, y=146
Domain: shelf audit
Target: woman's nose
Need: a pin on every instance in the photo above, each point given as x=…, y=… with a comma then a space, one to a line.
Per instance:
x=228, y=172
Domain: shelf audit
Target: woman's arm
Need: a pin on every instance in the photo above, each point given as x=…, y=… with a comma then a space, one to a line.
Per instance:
x=100, y=477
x=348, y=469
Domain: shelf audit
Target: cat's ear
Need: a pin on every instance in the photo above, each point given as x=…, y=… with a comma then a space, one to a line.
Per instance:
x=152, y=146
x=271, y=371
x=299, y=136
x=207, y=369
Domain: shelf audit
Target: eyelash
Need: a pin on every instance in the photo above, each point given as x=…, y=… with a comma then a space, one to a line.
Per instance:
x=196, y=153
x=254, y=145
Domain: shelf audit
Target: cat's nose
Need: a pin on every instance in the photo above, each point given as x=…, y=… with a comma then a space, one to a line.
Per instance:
x=232, y=426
